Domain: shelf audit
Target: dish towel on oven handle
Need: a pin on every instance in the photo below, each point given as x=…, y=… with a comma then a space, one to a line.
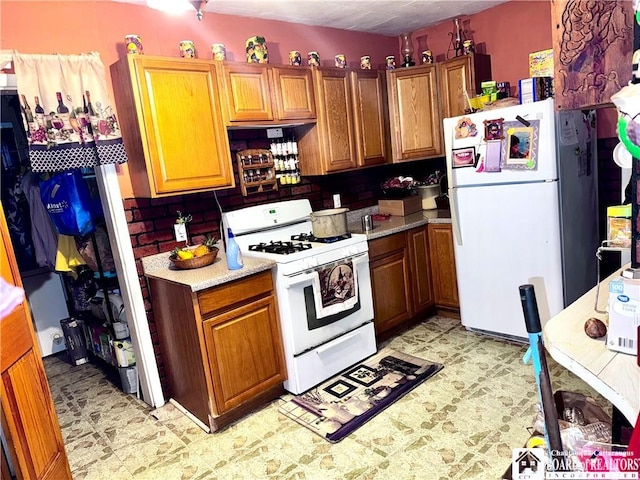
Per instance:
x=335, y=288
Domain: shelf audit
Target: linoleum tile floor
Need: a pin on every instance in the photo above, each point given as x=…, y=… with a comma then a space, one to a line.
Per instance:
x=461, y=424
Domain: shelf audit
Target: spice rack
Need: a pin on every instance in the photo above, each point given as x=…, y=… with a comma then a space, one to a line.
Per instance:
x=256, y=170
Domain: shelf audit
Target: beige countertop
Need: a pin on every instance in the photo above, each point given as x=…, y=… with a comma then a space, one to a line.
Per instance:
x=396, y=224
x=159, y=266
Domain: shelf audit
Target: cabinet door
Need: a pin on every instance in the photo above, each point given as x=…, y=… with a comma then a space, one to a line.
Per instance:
x=335, y=119
x=244, y=347
x=416, y=130
x=421, y=286
x=247, y=93
x=460, y=75
x=443, y=265
x=177, y=142
x=370, y=116
x=391, y=292
x=293, y=93
x=29, y=419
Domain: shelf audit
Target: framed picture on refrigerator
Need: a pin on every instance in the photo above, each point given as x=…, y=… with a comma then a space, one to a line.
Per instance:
x=464, y=157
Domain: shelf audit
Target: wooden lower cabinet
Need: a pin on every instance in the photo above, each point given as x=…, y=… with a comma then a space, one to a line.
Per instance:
x=222, y=346
x=28, y=416
x=443, y=266
x=421, y=284
x=389, y=267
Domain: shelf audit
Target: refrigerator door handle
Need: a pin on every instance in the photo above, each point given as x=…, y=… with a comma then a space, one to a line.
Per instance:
x=455, y=217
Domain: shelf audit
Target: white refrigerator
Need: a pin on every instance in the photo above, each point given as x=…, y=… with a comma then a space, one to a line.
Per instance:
x=523, y=211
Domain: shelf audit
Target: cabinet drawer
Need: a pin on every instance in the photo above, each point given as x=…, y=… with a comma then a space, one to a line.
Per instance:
x=386, y=245
x=224, y=296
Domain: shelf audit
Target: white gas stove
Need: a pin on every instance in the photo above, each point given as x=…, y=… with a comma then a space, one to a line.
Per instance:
x=323, y=287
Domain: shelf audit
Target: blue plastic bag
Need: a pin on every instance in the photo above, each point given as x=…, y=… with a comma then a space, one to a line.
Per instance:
x=67, y=200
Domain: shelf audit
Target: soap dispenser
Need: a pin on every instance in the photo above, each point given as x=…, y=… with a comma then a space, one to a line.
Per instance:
x=234, y=255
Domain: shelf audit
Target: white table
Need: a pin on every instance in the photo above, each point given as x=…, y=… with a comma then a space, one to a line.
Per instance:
x=616, y=376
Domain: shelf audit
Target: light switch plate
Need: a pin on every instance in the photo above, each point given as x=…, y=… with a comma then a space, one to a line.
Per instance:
x=336, y=200
x=180, y=230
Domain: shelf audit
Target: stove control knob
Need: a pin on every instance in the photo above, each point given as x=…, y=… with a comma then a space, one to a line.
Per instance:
x=353, y=250
x=311, y=262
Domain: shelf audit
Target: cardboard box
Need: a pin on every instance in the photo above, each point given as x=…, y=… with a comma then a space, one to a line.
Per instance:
x=541, y=63
x=535, y=89
x=624, y=310
x=404, y=206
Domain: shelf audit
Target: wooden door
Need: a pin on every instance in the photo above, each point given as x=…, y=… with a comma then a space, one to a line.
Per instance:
x=335, y=119
x=246, y=93
x=244, y=347
x=368, y=89
x=28, y=416
x=172, y=126
x=390, y=281
x=592, y=51
x=460, y=75
x=422, y=288
x=416, y=130
x=293, y=93
x=443, y=265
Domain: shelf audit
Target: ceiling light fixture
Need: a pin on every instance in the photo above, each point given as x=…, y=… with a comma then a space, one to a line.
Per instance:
x=178, y=6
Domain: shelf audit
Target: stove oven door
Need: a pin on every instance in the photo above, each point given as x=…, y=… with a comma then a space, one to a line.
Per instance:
x=304, y=327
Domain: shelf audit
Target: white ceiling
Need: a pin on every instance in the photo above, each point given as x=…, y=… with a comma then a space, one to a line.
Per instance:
x=386, y=17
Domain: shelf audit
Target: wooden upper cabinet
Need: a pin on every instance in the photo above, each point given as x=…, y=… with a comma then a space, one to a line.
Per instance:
x=247, y=93
x=352, y=127
x=29, y=421
x=460, y=74
x=293, y=93
x=258, y=94
x=370, y=116
x=592, y=51
x=172, y=126
x=416, y=130
x=328, y=146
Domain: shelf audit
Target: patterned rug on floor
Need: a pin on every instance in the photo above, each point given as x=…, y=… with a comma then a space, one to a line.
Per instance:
x=346, y=401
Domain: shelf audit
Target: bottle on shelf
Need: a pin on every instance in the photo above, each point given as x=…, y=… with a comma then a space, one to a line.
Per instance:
x=234, y=255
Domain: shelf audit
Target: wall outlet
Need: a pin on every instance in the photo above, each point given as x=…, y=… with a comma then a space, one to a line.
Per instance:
x=180, y=230
x=336, y=200
x=274, y=133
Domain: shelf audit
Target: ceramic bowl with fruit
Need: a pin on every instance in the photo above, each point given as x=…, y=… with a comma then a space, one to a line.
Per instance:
x=186, y=258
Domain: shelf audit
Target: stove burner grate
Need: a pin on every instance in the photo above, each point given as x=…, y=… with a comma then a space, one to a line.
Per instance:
x=309, y=237
x=280, y=248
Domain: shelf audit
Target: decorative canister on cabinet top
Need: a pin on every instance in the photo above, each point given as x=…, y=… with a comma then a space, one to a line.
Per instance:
x=256, y=48
x=133, y=44
x=218, y=51
x=341, y=61
x=313, y=59
x=365, y=62
x=390, y=62
x=295, y=58
x=468, y=47
x=427, y=56
x=187, y=49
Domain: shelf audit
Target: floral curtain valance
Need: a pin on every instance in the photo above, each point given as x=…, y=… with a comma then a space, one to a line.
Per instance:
x=67, y=112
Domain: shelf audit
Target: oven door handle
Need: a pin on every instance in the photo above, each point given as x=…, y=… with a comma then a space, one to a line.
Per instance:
x=298, y=278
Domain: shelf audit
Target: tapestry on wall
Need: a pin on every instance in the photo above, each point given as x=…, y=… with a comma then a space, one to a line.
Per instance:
x=67, y=113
